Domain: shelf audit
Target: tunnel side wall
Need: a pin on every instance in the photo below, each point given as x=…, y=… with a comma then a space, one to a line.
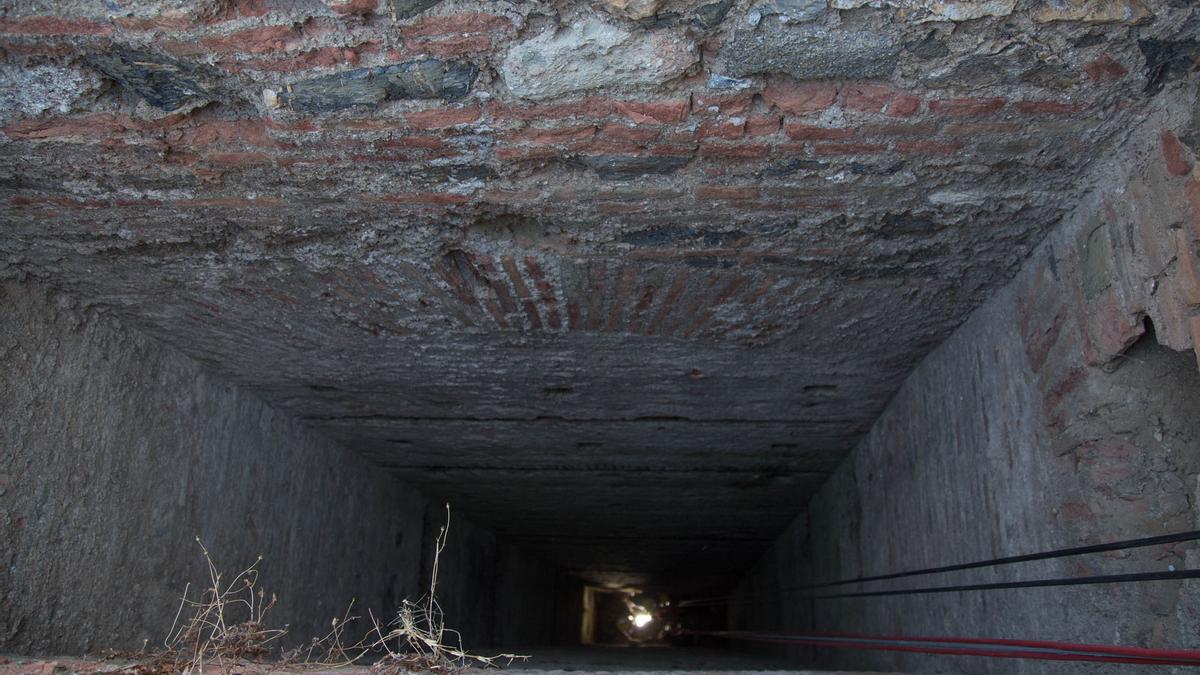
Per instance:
x=1049, y=419
x=118, y=453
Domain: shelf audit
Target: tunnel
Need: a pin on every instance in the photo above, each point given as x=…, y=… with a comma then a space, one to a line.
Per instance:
x=622, y=335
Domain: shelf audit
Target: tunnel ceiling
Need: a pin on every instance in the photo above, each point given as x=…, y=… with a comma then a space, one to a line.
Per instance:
x=624, y=281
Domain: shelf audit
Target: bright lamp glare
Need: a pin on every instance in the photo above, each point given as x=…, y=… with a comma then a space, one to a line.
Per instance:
x=641, y=619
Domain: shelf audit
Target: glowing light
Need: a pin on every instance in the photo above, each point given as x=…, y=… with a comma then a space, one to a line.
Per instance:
x=641, y=619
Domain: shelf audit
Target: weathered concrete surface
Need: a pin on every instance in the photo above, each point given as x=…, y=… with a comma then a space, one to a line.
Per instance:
x=674, y=299
x=1043, y=422
x=116, y=452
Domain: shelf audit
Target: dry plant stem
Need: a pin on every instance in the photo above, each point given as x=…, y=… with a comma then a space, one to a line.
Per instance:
x=225, y=628
x=421, y=628
x=209, y=634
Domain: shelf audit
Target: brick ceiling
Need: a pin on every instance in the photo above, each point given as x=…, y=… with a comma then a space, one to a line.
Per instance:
x=624, y=280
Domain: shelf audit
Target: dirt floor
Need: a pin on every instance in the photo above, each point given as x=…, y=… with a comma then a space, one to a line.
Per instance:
x=544, y=661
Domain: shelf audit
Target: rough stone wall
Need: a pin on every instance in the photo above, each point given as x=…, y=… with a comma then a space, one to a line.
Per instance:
x=1042, y=422
x=116, y=452
x=524, y=599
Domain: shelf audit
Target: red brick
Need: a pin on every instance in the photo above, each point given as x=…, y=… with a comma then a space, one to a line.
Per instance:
x=966, y=107
x=263, y=40
x=1063, y=388
x=927, y=148
x=725, y=104
x=586, y=108
x=637, y=133
x=101, y=124
x=1039, y=346
x=721, y=128
x=798, y=98
x=552, y=136
x=461, y=23
x=353, y=7
x=510, y=154
x=53, y=25
x=163, y=22
x=831, y=149
x=763, y=125
x=1049, y=107
x=1174, y=154
x=879, y=99
x=440, y=118
x=1104, y=69
x=903, y=106
x=666, y=112
x=809, y=132
x=1111, y=328
x=726, y=193
x=897, y=130
x=221, y=132
x=451, y=46
x=734, y=151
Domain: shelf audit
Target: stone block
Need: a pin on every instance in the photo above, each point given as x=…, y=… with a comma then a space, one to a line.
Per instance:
x=1094, y=11
x=161, y=81
x=593, y=55
x=628, y=168
x=809, y=52
x=420, y=79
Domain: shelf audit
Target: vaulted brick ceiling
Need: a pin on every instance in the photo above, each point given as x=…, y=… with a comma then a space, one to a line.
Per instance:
x=625, y=281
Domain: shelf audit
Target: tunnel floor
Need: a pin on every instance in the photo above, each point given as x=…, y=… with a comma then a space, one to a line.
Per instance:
x=543, y=660
x=647, y=659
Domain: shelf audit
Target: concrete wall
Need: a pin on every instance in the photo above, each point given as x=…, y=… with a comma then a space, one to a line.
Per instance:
x=117, y=452
x=1049, y=419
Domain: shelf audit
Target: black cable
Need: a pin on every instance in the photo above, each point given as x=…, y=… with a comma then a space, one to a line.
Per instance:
x=1143, y=542
x=1030, y=583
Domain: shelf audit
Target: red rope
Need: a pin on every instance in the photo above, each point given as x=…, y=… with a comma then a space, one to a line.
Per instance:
x=988, y=647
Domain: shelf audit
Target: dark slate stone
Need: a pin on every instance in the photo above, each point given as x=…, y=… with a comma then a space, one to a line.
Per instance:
x=929, y=48
x=161, y=81
x=904, y=224
x=462, y=172
x=809, y=52
x=626, y=168
x=424, y=78
x=674, y=235
x=712, y=14
x=1167, y=60
x=659, y=236
x=406, y=9
x=664, y=20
